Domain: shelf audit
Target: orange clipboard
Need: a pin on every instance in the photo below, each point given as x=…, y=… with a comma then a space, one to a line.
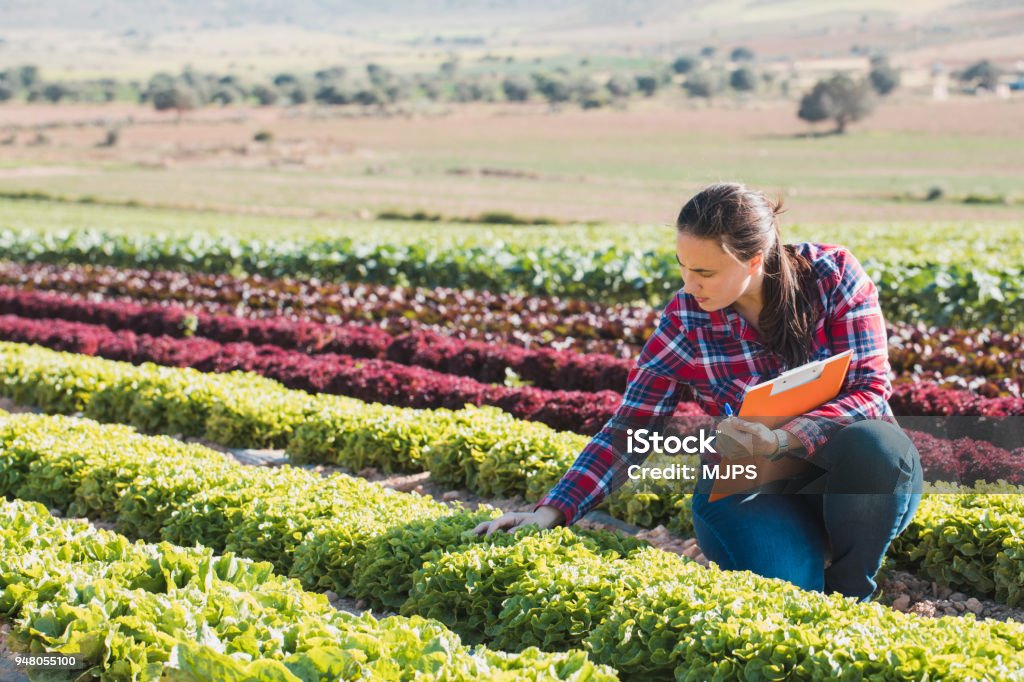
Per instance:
x=775, y=402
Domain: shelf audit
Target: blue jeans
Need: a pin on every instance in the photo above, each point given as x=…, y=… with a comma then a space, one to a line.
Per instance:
x=862, y=492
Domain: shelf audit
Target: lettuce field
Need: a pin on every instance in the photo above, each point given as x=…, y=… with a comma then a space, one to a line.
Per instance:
x=132, y=537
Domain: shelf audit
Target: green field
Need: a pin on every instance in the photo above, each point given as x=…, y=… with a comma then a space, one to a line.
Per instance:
x=983, y=243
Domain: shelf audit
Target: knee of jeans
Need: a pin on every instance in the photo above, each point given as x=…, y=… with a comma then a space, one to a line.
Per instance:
x=876, y=455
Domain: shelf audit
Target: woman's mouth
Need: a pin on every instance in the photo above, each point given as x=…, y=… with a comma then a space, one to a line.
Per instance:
x=699, y=299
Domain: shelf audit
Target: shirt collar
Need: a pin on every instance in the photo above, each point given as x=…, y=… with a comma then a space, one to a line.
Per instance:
x=733, y=323
x=725, y=321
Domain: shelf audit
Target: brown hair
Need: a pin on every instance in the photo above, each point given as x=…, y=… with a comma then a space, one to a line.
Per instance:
x=745, y=223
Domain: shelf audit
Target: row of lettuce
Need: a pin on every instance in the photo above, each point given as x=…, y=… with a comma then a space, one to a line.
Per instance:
x=648, y=613
x=514, y=319
x=396, y=384
x=988, y=363
x=935, y=293
x=136, y=611
x=485, y=362
x=488, y=452
x=529, y=321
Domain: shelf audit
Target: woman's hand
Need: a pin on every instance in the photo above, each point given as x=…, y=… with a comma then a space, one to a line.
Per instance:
x=549, y=517
x=545, y=517
x=764, y=442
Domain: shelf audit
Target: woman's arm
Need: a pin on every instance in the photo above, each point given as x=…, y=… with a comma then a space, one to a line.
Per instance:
x=601, y=467
x=652, y=393
x=856, y=322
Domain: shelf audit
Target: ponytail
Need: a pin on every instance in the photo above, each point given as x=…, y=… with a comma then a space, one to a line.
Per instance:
x=787, y=319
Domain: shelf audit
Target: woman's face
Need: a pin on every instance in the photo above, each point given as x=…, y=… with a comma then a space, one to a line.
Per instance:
x=712, y=276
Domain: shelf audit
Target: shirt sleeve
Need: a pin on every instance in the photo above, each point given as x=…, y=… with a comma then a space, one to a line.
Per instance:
x=856, y=322
x=652, y=393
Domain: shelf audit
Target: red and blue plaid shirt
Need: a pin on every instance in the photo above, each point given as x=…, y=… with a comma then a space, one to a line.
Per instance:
x=718, y=355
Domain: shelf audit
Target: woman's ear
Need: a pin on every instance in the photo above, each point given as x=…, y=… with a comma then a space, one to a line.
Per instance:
x=756, y=262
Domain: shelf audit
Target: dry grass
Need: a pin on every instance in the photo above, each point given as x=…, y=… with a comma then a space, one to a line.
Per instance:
x=631, y=166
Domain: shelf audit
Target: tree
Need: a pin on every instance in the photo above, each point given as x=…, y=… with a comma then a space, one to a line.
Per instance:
x=840, y=98
x=178, y=97
x=6, y=92
x=55, y=92
x=449, y=67
x=702, y=84
x=984, y=74
x=708, y=51
x=286, y=80
x=684, y=64
x=647, y=84
x=741, y=54
x=112, y=137
x=590, y=95
x=429, y=88
x=620, y=86
x=517, y=88
x=107, y=89
x=743, y=79
x=369, y=96
x=883, y=78
x=265, y=95
x=555, y=89
x=299, y=94
x=334, y=73
x=158, y=82
x=227, y=94
x=28, y=75
x=469, y=90
x=378, y=75
x=334, y=94
x=397, y=90
x=816, y=106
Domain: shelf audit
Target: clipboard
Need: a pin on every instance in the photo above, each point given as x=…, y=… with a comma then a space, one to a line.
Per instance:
x=775, y=402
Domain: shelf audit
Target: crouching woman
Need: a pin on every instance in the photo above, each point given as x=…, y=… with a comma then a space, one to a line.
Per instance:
x=752, y=307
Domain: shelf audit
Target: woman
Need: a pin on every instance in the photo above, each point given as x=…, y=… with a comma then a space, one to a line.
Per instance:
x=750, y=308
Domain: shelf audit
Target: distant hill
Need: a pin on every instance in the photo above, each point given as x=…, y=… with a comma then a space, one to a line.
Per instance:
x=68, y=35
x=315, y=14
x=542, y=15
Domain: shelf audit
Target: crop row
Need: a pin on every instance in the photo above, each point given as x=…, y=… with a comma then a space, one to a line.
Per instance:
x=986, y=361
x=944, y=294
x=483, y=450
x=981, y=523
x=33, y=369
x=485, y=362
x=396, y=384
x=132, y=611
x=528, y=321
x=380, y=381
x=641, y=610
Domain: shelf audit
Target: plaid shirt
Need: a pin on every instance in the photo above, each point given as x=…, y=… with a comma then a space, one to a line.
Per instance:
x=718, y=355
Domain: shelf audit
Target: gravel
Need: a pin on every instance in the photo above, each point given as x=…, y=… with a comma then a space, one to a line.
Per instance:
x=906, y=592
